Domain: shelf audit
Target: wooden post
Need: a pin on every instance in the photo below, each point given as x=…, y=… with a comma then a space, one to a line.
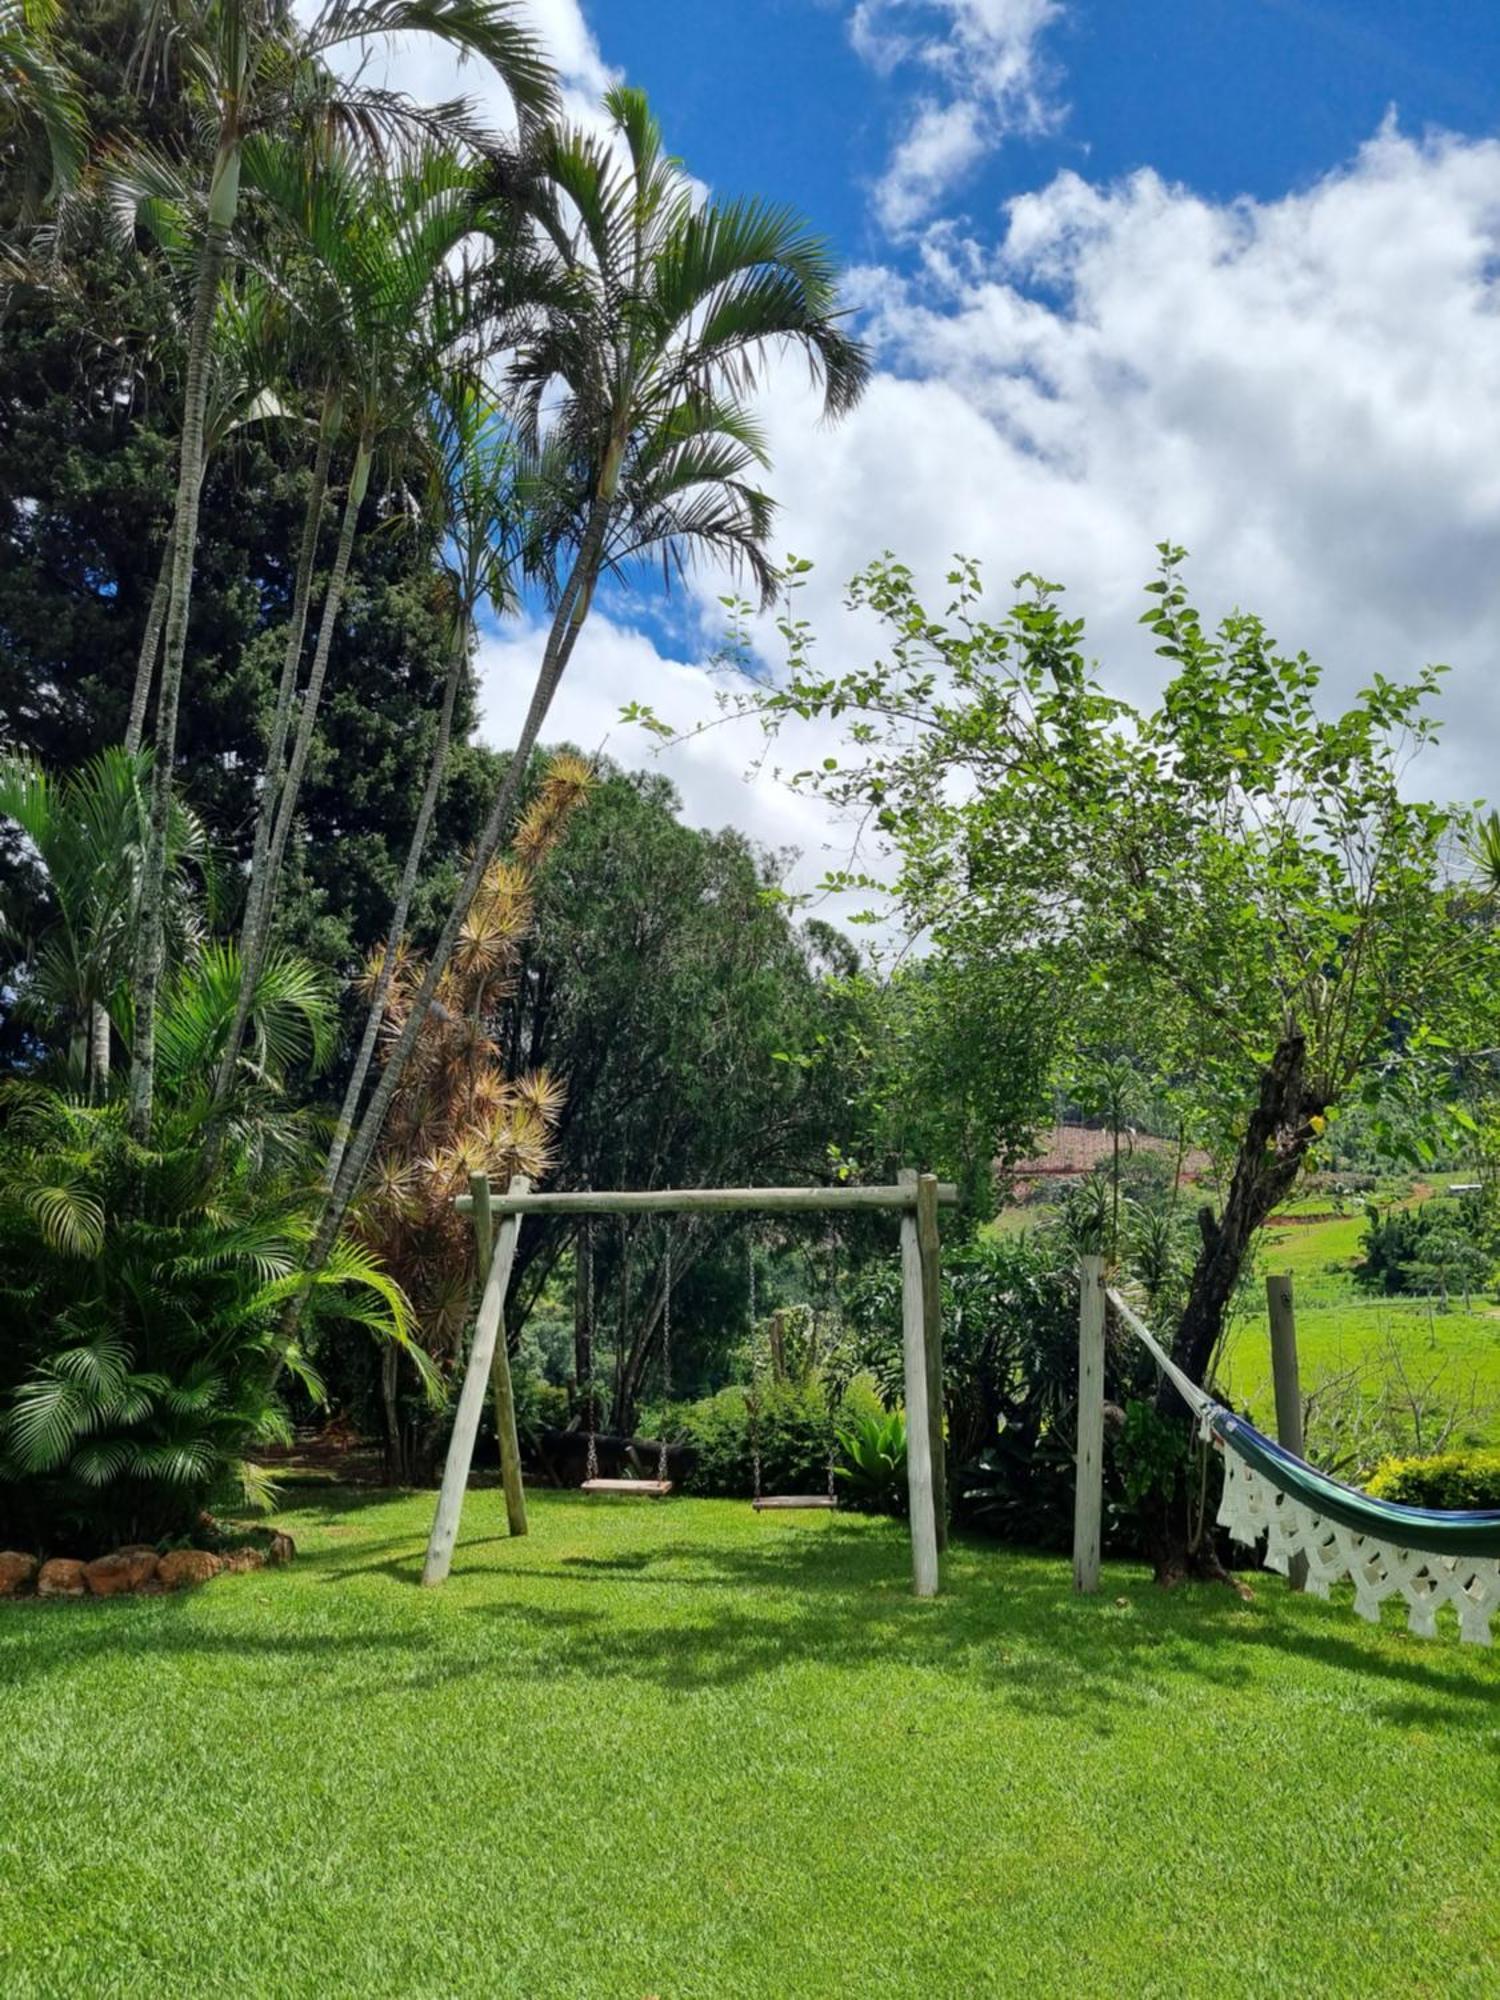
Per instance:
x=1288, y=1387
x=487, y=1331
x=502, y=1389
x=932, y=1334
x=1088, y=1504
x=924, y=1547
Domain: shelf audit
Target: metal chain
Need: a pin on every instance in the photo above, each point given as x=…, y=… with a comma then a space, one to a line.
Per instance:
x=666, y=1366
x=591, y=1462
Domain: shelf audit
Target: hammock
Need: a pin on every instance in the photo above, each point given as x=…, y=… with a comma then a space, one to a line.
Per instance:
x=1423, y=1556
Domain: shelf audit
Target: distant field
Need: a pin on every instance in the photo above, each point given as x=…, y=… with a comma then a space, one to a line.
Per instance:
x=1455, y=1354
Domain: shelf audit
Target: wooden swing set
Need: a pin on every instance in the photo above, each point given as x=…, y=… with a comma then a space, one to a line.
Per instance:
x=916, y=1198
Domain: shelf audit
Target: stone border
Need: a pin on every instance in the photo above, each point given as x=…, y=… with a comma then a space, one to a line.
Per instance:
x=136, y=1571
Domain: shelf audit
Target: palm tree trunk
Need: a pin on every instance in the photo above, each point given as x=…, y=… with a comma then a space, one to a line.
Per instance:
x=402, y=909
x=223, y=202
x=145, y=666
x=257, y=895
x=562, y=636
x=99, y=1028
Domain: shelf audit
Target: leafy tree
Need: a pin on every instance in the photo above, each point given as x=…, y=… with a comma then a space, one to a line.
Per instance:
x=90, y=384
x=1247, y=873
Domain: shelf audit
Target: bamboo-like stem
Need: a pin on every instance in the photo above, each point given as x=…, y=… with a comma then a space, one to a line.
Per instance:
x=145, y=666
x=348, y=1110
x=258, y=896
x=150, y=954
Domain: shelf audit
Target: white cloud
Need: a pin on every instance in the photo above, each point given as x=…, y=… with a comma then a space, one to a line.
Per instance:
x=981, y=75
x=723, y=773
x=1304, y=392
x=422, y=67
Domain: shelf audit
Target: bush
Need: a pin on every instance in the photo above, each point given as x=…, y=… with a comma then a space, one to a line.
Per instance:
x=143, y=1290
x=796, y=1431
x=1453, y=1482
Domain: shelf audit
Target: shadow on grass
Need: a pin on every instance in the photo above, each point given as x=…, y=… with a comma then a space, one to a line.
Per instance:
x=691, y=1614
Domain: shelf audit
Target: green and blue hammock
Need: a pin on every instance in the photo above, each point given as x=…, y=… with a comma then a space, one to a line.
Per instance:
x=1423, y=1556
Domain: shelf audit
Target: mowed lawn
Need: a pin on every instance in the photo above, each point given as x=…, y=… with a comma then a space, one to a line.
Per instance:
x=1452, y=1357
x=690, y=1752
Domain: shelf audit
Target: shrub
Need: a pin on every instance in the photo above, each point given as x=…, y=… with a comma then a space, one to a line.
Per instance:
x=1453, y=1481
x=872, y=1463
x=796, y=1431
x=143, y=1289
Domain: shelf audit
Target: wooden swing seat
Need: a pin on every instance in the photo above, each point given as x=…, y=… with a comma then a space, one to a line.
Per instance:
x=639, y=1489
x=768, y=1501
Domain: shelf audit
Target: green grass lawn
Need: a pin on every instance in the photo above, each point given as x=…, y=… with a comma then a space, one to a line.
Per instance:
x=689, y=1751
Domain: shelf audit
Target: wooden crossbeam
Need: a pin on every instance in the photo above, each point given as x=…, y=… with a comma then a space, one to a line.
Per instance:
x=666, y=1201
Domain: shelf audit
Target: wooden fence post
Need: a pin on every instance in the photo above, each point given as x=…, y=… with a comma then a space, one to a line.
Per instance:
x=487, y=1331
x=502, y=1389
x=1088, y=1504
x=924, y=1547
x=932, y=1329
x=1288, y=1386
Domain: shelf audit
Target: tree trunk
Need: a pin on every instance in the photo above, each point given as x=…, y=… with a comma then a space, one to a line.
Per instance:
x=395, y=1455
x=257, y=894
x=223, y=202
x=99, y=1032
x=1269, y=1160
x=256, y=933
x=356, y=1089
x=145, y=666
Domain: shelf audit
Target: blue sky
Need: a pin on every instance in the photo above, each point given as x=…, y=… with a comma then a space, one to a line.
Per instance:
x=1231, y=97
x=1222, y=272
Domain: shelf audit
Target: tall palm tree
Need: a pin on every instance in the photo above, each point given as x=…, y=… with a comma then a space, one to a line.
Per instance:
x=252, y=67
x=377, y=286
x=474, y=497
x=634, y=404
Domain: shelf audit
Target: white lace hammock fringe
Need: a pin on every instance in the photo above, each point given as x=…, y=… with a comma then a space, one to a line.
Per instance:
x=1253, y=1507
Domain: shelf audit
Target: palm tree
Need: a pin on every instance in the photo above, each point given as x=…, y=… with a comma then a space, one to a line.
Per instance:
x=377, y=288
x=474, y=498
x=87, y=831
x=633, y=391
x=253, y=68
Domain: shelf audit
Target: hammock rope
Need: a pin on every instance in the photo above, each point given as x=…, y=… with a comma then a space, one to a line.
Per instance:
x=1425, y=1557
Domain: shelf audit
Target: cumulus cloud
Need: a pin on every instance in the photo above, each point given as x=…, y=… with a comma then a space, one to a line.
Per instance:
x=1302, y=391
x=979, y=73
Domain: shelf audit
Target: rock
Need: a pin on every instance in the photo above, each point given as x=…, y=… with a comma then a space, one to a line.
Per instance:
x=282, y=1549
x=62, y=1577
x=16, y=1572
x=119, y=1574
x=239, y=1560
x=184, y=1569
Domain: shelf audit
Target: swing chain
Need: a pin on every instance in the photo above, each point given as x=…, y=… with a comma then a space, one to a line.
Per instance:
x=666, y=1366
x=591, y=1462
